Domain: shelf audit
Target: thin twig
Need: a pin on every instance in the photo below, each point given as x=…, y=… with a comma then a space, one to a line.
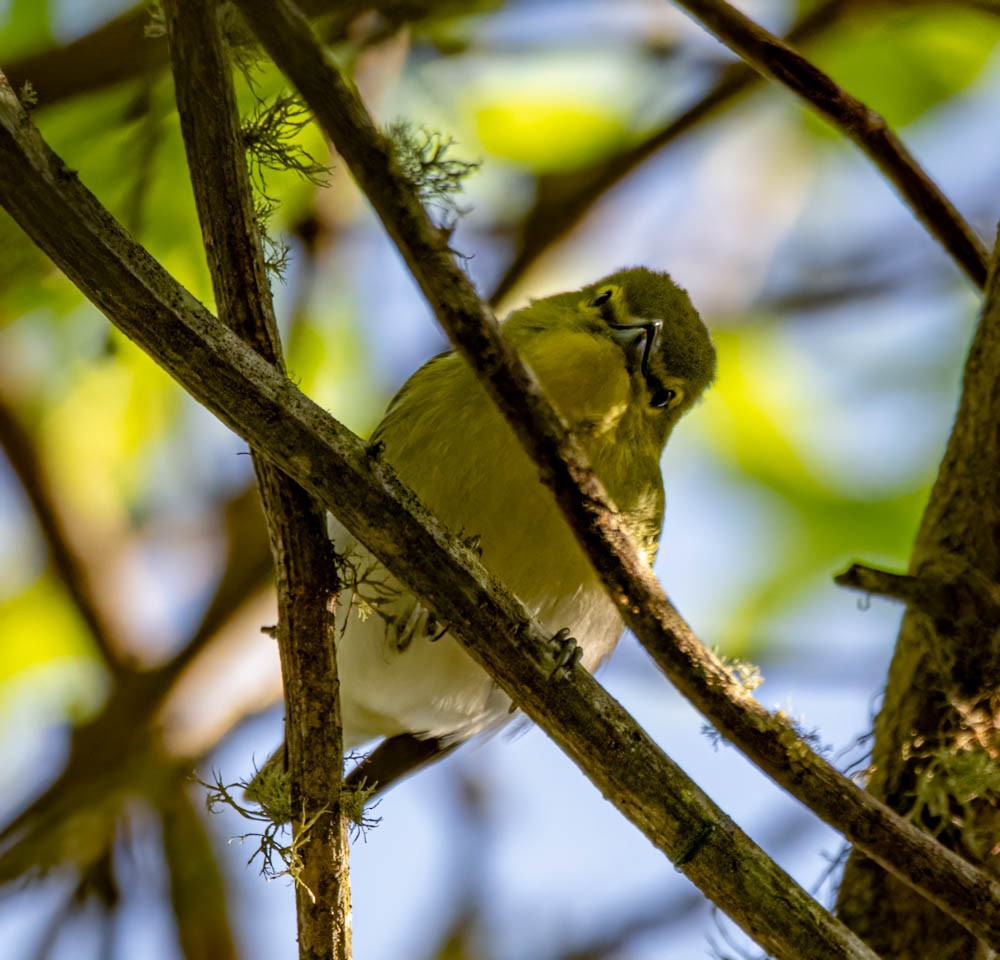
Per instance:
x=698, y=673
x=961, y=596
x=259, y=403
x=774, y=58
x=885, y=583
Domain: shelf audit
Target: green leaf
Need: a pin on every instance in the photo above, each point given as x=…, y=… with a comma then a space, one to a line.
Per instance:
x=904, y=62
x=548, y=134
x=40, y=628
x=28, y=27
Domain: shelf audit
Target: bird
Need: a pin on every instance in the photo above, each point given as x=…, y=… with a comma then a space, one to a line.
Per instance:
x=621, y=360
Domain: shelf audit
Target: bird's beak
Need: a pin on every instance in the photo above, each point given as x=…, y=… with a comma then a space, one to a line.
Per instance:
x=638, y=339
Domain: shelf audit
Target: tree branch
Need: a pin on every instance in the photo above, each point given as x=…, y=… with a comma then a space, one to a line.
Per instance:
x=307, y=578
x=335, y=466
x=772, y=57
x=767, y=740
x=951, y=599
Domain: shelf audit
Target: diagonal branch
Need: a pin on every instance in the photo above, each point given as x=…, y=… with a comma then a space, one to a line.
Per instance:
x=307, y=578
x=248, y=394
x=766, y=739
x=772, y=57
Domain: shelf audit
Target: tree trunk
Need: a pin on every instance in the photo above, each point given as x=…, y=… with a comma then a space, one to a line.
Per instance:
x=937, y=737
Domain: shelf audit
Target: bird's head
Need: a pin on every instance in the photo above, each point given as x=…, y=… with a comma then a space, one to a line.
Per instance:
x=665, y=346
x=662, y=334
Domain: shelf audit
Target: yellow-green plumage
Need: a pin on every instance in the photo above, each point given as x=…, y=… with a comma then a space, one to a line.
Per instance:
x=621, y=360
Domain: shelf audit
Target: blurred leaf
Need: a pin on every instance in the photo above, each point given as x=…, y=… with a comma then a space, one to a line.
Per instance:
x=763, y=423
x=328, y=359
x=753, y=401
x=28, y=26
x=40, y=627
x=99, y=434
x=548, y=134
x=904, y=62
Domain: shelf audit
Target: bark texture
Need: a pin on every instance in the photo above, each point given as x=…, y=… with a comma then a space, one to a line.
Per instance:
x=937, y=737
x=303, y=556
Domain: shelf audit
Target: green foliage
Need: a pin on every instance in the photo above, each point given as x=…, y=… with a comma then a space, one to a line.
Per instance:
x=903, y=60
x=46, y=644
x=28, y=27
x=548, y=134
x=765, y=425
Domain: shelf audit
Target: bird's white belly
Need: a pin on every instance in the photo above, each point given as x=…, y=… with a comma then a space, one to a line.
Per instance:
x=411, y=676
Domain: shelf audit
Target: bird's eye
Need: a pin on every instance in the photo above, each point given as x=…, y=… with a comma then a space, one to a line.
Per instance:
x=602, y=298
x=663, y=397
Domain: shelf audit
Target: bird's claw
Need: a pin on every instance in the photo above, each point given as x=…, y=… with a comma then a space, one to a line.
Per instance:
x=474, y=543
x=434, y=629
x=568, y=656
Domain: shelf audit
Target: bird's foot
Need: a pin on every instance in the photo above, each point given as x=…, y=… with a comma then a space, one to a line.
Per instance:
x=434, y=629
x=568, y=656
x=474, y=543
